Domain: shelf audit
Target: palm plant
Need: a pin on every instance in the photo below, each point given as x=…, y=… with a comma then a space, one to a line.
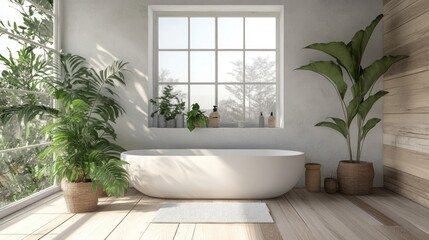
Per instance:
x=82, y=131
x=348, y=57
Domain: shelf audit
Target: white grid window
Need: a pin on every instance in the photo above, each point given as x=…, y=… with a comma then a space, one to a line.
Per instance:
x=215, y=58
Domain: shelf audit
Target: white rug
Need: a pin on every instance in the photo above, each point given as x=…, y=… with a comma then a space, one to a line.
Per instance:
x=214, y=213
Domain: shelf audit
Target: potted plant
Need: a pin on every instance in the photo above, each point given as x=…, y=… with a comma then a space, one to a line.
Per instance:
x=82, y=133
x=196, y=118
x=168, y=106
x=354, y=176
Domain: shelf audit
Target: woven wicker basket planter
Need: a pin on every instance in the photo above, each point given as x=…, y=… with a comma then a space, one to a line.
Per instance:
x=80, y=197
x=355, y=178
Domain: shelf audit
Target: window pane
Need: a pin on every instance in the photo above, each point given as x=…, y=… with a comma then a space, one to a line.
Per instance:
x=29, y=67
x=204, y=95
x=230, y=100
x=202, y=33
x=181, y=90
x=203, y=66
x=16, y=134
x=173, y=66
x=261, y=33
x=230, y=33
x=37, y=27
x=21, y=175
x=260, y=66
x=259, y=98
x=45, y=4
x=230, y=66
x=173, y=33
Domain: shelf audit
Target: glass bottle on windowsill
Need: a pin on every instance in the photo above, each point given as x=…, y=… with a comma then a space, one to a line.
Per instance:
x=261, y=121
x=271, y=121
x=214, y=118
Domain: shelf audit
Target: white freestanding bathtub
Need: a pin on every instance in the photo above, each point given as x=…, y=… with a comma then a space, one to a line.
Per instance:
x=214, y=173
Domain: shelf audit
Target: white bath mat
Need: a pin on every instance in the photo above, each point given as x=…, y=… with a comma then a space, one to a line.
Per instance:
x=214, y=213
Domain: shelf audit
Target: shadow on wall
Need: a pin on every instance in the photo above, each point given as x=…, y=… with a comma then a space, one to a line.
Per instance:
x=139, y=99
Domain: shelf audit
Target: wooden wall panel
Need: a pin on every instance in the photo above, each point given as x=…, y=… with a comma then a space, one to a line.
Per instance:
x=408, y=94
x=412, y=162
x=410, y=125
x=398, y=13
x=408, y=185
x=406, y=107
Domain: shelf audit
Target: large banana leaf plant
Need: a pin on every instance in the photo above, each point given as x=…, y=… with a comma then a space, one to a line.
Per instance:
x=82, y=133
x=348, y=57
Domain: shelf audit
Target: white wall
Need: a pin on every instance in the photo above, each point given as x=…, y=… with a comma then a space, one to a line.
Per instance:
x=103, y=30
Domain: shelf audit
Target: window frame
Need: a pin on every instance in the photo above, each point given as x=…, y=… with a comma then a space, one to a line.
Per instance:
x=216, y=11
x=56, y=13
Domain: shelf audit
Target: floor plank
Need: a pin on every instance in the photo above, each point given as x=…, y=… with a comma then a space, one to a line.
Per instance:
x=335, y=212
x=185, y=232
x=95, y=225
x=317, y=225
x=298, y=215
x=137, y=221
x=292, y=225
x=395, y=232
x=160, y=231
x=228, y=232
x=409, y=215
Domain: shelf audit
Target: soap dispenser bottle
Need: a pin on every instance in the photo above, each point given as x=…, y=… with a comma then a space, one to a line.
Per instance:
x=214, y=118
x=271, y=121
x=261, y=121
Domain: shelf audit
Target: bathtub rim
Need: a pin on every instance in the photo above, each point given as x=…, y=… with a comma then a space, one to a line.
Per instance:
x=223, y=152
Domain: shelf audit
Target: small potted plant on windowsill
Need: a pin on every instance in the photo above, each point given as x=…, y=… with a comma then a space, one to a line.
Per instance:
x=168, y=106
x=195, y=118
x=354, y=176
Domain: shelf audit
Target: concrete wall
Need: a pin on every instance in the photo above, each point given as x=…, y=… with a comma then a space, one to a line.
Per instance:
x=103, y=30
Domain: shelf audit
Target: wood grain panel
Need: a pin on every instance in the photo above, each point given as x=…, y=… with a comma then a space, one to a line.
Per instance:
x=403, y=12
x=410, y=143
x=393, y=6
x=412, y=162
x=408, y=94
x=407, y=101
x=411, y=216
x=413, y=64
x=401, y=180
x=407, y=33
x=409, y=125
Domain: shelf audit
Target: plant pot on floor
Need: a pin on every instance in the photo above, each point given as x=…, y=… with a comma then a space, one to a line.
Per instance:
x=355, y=178
x=312, y=177
x=80, y=197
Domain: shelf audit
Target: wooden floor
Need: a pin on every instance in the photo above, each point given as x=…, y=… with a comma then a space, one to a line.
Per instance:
x=297, y=215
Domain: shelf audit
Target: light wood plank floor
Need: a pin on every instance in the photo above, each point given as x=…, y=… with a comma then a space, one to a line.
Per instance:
x=298, y=215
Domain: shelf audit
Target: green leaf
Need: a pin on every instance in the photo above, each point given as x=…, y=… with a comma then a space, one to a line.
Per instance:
x=333, y=126
x=330, y=71
x=369, y=125
x=374, y=71
x=366, y=105
x=352, y=109
x=339, y=51
x=342, y=125
x=360, y=40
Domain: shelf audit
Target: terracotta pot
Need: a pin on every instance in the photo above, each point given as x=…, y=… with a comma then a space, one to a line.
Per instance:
x=312, y=177
x=355, y=178
x=80, y=197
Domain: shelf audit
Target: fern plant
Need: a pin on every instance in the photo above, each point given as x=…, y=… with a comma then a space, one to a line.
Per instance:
x=82, y=133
